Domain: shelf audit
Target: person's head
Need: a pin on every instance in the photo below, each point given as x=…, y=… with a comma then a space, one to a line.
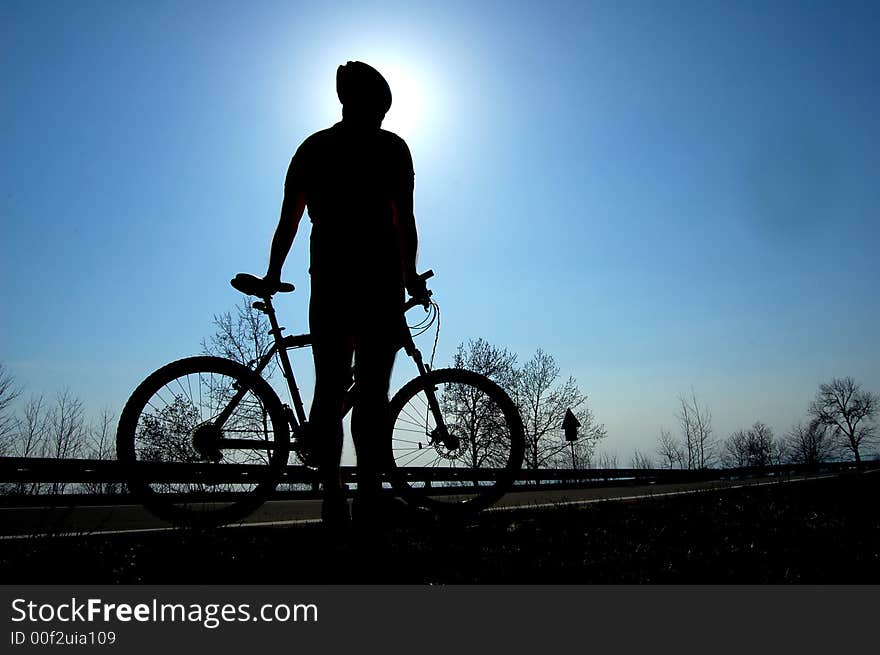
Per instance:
x=364, y=94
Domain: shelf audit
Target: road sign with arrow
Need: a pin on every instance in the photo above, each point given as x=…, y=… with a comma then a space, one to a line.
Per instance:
x=570, y=424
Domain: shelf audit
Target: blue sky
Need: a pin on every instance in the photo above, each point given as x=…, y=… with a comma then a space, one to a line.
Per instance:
x=664, y=195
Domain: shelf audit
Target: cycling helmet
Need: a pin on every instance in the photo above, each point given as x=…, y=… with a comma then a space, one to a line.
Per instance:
x=363, y=87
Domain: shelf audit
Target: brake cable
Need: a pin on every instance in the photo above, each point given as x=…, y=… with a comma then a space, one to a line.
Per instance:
x=432, y=316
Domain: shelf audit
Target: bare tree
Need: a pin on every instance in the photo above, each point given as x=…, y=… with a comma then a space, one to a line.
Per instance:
x=542, y=400
x=735, y=452
x=101, y=446
x=640, y=460
x=494, y=362
x=66, y=431
x=670, y=451
x=9, y=392
x=33, y=428
x=28, y=440
x=848, y=411
x=607, y=461
x=764, y=450
x=242, y=335
x=577, y=454
x=809, y=444
x=753, y=447
x=696, y=427
x=31, y=434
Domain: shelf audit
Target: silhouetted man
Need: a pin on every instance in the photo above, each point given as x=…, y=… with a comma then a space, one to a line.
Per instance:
x=357, y=181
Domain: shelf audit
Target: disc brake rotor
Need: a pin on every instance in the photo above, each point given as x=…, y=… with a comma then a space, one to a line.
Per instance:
x=448, y=448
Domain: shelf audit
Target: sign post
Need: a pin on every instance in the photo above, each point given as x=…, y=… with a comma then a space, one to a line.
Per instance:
x=570, y=424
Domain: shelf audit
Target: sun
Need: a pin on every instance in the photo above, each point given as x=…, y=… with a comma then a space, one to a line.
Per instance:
x=409, y=101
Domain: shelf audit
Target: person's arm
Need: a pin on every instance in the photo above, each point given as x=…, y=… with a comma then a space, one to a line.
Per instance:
x=405, y=222
x=291, y=213
x=292, y=208
x=408, y=239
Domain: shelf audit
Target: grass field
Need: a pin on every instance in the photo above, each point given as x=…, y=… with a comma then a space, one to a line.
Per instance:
x=821, y=531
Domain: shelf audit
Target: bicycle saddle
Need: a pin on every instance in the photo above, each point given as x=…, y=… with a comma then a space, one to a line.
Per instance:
x=256, y=286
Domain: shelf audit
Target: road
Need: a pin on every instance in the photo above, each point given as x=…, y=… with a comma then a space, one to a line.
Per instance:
x=19, y=522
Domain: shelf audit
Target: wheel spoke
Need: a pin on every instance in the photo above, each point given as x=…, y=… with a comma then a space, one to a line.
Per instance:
x=399, y=440
x=410, y=423
x=412, y=460
x=414, y=420
x=183, y=391
x=397, y=429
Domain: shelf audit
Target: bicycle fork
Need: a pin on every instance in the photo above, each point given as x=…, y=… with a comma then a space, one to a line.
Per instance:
x=440, y=434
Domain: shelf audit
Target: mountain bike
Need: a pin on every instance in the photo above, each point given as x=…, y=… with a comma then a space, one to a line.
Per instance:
x=205, y=440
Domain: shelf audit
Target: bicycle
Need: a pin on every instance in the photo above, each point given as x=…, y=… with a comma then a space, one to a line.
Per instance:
x=205, y=440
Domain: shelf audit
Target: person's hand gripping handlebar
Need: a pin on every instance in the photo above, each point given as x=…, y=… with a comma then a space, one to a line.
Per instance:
x=416, y=288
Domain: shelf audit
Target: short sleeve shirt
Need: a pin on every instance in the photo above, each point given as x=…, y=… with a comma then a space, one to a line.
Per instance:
x=350, y=179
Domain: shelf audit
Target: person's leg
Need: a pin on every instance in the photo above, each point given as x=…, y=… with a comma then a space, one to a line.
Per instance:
x=374, y=360
x=332, y=350
x=332, y=371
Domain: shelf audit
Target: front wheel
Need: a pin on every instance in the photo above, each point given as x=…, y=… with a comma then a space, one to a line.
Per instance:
x=464, y=454
x=203, y=441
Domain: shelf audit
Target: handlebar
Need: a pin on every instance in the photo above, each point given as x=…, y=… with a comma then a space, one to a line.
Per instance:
x=412, y=302
x=252, y=285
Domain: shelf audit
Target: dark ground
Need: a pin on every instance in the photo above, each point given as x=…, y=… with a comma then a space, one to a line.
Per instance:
x=819, y=532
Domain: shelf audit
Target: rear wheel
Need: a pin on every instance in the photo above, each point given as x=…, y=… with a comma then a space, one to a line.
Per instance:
x=203, y=441
x=466, y=461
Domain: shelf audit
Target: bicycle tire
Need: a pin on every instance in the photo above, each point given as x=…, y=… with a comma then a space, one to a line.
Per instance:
x=496, y=408
x=174, y=432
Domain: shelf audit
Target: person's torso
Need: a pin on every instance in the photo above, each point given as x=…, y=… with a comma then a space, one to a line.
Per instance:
x=350, y=180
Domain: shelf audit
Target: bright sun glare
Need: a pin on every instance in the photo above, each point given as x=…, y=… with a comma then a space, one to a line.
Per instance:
x=408, y=105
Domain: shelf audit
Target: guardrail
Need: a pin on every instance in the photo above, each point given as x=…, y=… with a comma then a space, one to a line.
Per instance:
x=44, y=470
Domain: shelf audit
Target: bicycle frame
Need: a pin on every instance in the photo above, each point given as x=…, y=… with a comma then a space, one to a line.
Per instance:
x=297, y=418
